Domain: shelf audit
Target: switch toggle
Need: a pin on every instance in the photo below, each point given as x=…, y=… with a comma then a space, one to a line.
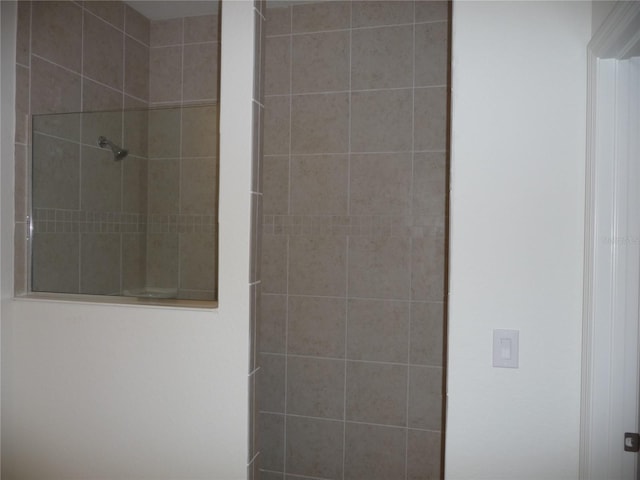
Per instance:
x=505, y=348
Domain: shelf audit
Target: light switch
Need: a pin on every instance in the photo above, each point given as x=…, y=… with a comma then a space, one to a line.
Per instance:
x=505, y=348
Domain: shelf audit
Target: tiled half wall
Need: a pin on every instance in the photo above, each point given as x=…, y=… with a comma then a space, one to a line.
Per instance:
x=105, y=57
x=354, y=257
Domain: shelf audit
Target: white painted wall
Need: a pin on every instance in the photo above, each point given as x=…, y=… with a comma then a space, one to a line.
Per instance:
x=120, y=392
x=517, y=206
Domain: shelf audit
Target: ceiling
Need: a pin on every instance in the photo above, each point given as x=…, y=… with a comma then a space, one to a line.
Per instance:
x=162, y=10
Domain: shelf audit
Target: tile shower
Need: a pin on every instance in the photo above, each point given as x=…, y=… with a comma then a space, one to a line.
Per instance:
x=354, y=232
x=148, y=221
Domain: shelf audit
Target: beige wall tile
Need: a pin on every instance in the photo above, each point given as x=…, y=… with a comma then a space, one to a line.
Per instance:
x=380, y=267
x=98, y=97
x=199, y=131
x=380, y=184
x=136, y=24
x=315, y=387
x=277, y=76
x=164, y=185
x=165, y=74
x=271, y=385
x=57, y=33
x=164, y=133
x=101, y=181
x=198, y=260
x=381, y=121
x=134, y=183
x=203, y=28
x=55, y=172
x=272, y=325
x=257, y=147
x=425, y=398
x=102, y=52
x=378, y=330
x=431, y=54
x=200, y=72
x=427, y=333
x=377, y=393
x=112, y=12
x=319, y=185
x=162, y=260
x=423, y=455
x=276, y=185
x=314, y=447
x=53, y=89
x=321, y=16
x=136, y=66
x=134, y=261
x=316, y=326
x=23, y=39
x=271, y=440
x=22, y=104
x=255, y=265
x=429, y=184
x=166, y=32
x=374, y=452
x=198, y=185
x=274, y=263
x=431, y=11
x=278, y=21
x=63, y=126
x=382, y=57
x=320, y=123
x=100, y=263
x=21, y=182
x=20, y=276
x=276, y=125
x=96, y=124
x=317, y=265
x=367, y=14
x=430, y=124
x=428, y=275
x=320, y=62
x=56, y=262
x=136, y=132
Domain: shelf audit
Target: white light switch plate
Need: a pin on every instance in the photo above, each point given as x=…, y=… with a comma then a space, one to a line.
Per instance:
x=505, y=348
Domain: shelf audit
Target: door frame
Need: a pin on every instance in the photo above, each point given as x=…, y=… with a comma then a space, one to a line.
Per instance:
x=610, y=353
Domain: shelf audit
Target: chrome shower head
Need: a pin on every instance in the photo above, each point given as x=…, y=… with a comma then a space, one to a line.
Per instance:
x=118, y=152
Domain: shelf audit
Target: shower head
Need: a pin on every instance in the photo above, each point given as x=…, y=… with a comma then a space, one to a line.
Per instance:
x=118, y=152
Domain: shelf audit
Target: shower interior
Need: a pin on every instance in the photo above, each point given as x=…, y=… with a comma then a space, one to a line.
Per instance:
x=138, y=221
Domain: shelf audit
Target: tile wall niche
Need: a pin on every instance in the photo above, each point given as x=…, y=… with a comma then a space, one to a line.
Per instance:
x=101, y=57
x=354, y=234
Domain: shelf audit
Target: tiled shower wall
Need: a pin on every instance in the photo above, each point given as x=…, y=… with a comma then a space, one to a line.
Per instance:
x=96, y=56
x=353, y=272
x=74, y=57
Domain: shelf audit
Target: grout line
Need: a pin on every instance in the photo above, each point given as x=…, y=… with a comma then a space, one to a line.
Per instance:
x=183, y=44
x=326, y=154
x=121, y=30
x=352, y=360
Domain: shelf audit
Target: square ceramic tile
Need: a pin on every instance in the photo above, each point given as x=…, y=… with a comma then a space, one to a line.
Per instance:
x=101, y=124
x=425, y=398
x=200, y=72
x=165, y=74
x=166, y=32
x=381, y=121
x=53, y=89
x=271, y=385
x=199, y=131
x=377, y=393
x=274, y=263
x=22, y=104
x=134, y=261
x=163, y=186
x=102, y=52
x=322, y=16
x=315, y=387
x=278, y=20
x=112, y=12
x=424, y=455
x=101, y=181
x=21, y=189
x=272, y=326
x=56, y=260
x=198, y=261
x=316, y=326
x=374, y=452
x=55, y=173
x=428, y=272
x=136, y=25
x=97, y=97
x=100, y=263
x=431, y=117
x=317, y=265
x=271, y=435
x=385, y=259
x=432, y=11
x=276, y=185
x=198, y=189
x=276, y=125
x=427, y=333
x=162, y=260
x=320, y=123
x=380, y=184
x=202, y=28
x=431, y=54
x=430, y=186
x=136, y=132
x=382, y=58
x=164, y=133
x=23, y=34
x=277, y=75
x=20, y=276
x=373, y=13
x=314, y=447
x=136, y=65
x=320, y=62
x=319, y=184
x=378, y=330
x=57, y=33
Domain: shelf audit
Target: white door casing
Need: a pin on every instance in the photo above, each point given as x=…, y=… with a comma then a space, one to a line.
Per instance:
x=610, y=383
